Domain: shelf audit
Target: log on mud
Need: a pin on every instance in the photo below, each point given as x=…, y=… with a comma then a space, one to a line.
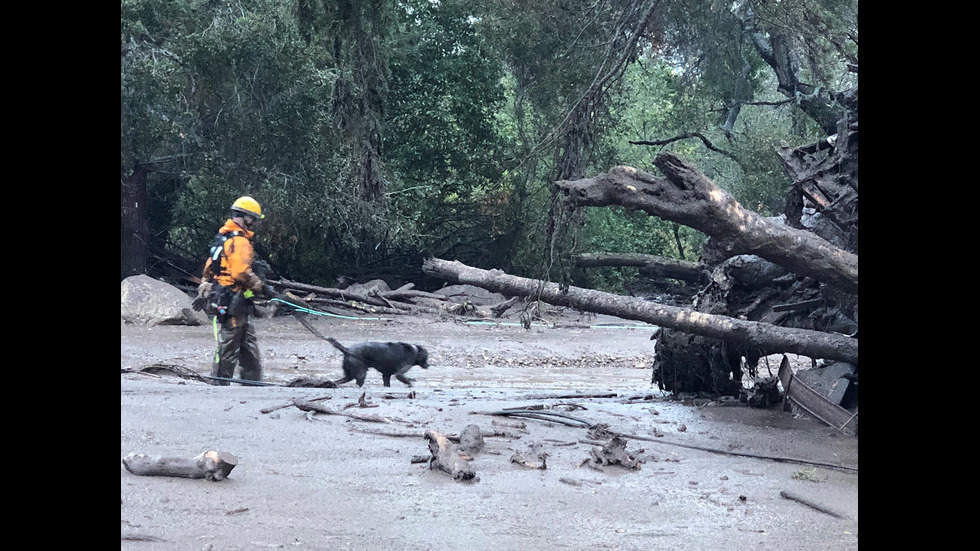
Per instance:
x=446, y=458
x=805, y=342
x=211, y=465
x=688, y=197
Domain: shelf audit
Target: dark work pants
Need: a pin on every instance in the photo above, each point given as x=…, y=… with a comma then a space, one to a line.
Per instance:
x=237, y=346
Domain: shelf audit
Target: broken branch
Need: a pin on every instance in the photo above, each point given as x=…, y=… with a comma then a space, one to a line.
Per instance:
x=445, y=457
x=688, y=197
x=812, y=504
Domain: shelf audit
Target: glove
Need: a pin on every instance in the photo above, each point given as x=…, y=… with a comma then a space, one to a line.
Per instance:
x=203, y=292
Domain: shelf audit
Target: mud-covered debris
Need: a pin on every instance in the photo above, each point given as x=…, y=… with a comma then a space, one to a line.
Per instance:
x=471, y=440
x=763, y=394
x=600, y=431
x=613, y=452
x=446, y=458
x=311, y=382
x=518, y=425
x=519, y=460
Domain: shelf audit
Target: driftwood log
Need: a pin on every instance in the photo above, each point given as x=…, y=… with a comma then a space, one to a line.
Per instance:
x=445, y=457
x=815, y=344
x=211, y=465
x=688, y=197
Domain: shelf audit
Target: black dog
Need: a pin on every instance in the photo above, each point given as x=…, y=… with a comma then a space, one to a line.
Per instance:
x=390, y=358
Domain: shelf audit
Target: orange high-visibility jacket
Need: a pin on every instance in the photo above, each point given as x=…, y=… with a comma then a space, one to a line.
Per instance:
x=236, y=261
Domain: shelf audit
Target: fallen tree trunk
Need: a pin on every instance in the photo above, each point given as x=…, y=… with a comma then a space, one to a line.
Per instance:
x=650, y=265
x=211, y=465
x=688, y=197
x=806, y=342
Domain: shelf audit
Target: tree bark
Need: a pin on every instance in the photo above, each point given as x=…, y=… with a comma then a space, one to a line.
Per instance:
x=806, y=342
x=446, y=458
x=210, y=465
x=135, y=226
x=650, y=265
x=688, y=197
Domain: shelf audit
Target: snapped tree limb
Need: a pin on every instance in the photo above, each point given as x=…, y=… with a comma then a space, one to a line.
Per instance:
x=688, y=197
x=806, y=342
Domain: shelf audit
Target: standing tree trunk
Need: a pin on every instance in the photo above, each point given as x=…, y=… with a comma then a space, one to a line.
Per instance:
x=135, y=227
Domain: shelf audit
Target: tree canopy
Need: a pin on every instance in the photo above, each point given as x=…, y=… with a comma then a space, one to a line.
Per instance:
x=376, y=133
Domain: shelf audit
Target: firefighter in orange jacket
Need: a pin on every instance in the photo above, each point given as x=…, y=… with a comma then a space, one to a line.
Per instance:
x=233, y=284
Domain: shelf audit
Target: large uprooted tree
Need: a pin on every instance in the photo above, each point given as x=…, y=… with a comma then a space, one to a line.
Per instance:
x=799, y=271
x=774, y=285
x=764, y=285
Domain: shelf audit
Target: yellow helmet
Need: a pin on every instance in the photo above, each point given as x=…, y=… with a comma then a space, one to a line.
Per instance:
x=249, y=206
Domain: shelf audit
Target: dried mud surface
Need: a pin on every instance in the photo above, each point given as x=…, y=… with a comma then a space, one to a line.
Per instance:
x=321, y=481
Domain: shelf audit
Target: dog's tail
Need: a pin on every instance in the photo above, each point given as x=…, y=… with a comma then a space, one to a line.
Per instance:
x=337, y=345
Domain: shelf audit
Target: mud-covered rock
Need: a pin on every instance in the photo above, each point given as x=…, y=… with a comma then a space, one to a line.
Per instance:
x=477, y=296
x=152, y=302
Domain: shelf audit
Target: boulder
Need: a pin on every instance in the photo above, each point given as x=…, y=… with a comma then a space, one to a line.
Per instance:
x=477, y=296
x=152, y=302
x=369, y=288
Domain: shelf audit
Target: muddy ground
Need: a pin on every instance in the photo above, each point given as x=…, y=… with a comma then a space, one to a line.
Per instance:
x=711, y=476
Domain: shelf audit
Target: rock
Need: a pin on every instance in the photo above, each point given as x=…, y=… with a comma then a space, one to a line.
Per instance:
x=471, y=440
x=152, y=302
x=477, y=296
x=375, y=285
x=829, y=380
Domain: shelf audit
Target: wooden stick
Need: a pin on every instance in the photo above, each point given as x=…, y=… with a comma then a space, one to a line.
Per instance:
x=813, y=505
x=305, y=405
x=291, y=404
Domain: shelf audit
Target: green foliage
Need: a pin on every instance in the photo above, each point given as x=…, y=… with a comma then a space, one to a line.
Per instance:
x=441, y=123
x=618, y=230
x=464, y=106
x=442, y=139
